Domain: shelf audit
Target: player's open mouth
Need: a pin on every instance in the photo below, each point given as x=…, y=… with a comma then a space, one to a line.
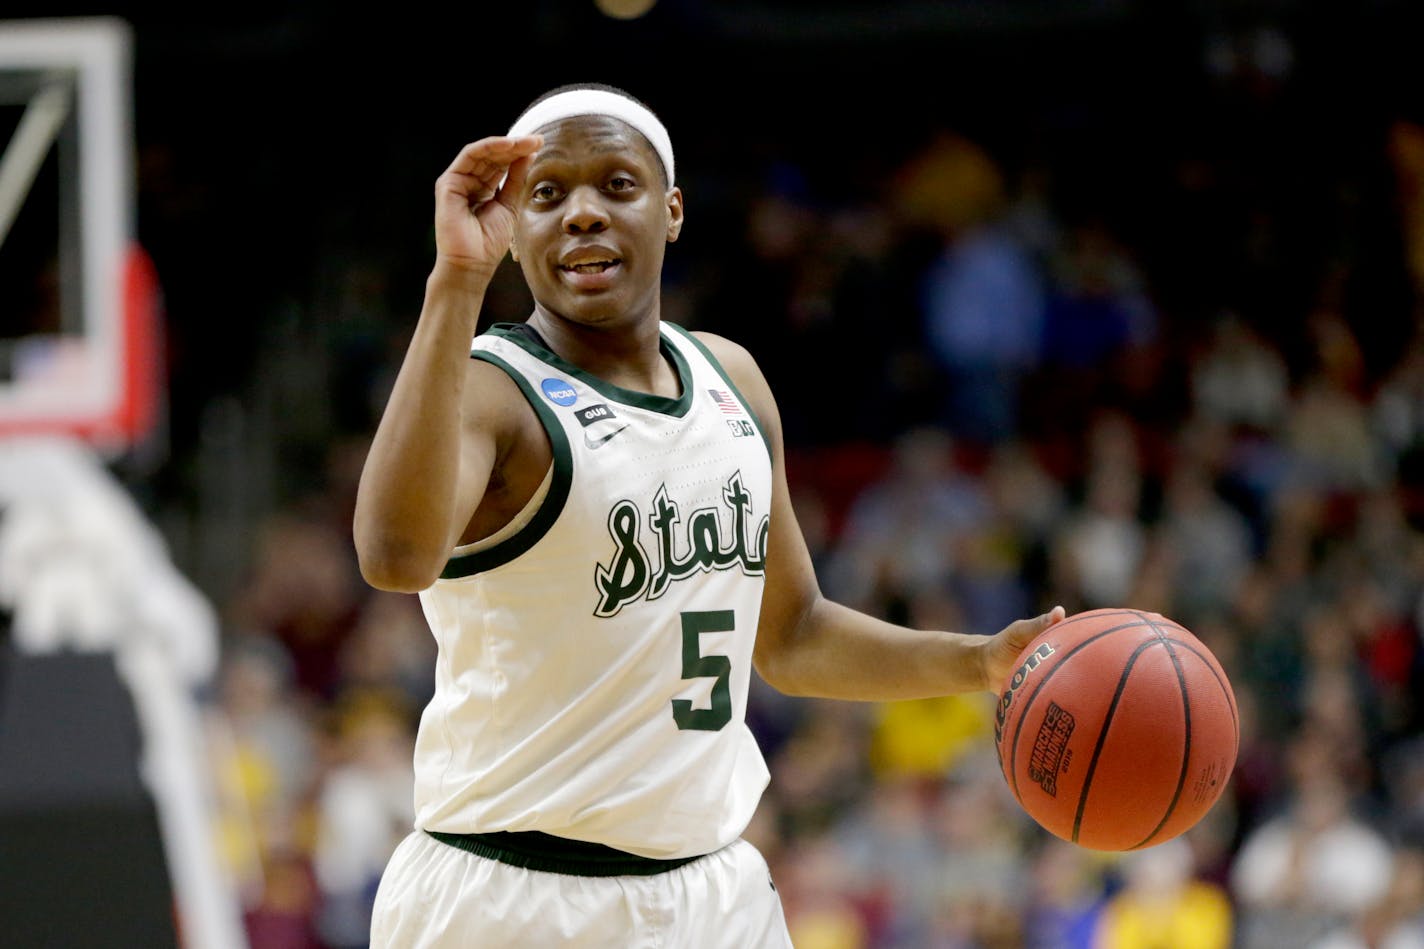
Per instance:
x=597, y=266
x=590, y=269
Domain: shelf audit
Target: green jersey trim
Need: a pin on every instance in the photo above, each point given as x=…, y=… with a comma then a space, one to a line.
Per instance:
x=677, y=408
x=478, y=561
x=707, y=353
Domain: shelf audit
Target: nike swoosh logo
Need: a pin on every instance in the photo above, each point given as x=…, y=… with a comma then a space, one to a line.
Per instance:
x=600, y=442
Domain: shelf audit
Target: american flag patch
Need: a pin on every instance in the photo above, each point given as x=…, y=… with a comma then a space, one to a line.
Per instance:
x=725, y=402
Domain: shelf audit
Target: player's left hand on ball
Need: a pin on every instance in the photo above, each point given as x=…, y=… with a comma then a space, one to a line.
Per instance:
x=1001, y=654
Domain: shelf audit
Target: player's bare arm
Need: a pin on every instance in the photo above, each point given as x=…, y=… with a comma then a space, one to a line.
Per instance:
x=809, y=645
x=447, y=423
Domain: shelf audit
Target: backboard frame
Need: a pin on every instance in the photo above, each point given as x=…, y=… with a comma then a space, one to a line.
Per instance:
x=97, y=379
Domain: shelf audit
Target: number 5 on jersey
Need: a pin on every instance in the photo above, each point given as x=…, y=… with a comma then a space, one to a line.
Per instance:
x=697, y=666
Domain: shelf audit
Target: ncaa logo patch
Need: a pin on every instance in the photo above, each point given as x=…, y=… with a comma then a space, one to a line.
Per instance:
x=559, y=392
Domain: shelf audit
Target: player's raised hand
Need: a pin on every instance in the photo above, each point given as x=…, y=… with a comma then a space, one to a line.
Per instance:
x=1001, y=654
x=474, y=213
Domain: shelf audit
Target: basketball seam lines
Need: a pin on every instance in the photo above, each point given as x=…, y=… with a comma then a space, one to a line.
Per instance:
x=1186, y=742
x=1028, y=700
x=1103, y=731
x=1094, y=614
x=1220, y=680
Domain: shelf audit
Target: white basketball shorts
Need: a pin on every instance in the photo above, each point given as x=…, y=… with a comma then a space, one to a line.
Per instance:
x=437, y=896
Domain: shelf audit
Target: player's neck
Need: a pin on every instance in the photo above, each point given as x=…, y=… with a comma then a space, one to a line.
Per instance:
x=627, y=354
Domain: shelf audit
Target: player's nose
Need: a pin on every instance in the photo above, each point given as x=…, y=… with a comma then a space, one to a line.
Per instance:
x=584, y=211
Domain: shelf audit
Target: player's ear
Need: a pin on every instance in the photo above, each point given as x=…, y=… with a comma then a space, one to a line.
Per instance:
x=674, y=206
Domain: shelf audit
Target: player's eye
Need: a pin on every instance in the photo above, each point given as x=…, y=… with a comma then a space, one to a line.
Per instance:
x=544, y=193
x=620, y=183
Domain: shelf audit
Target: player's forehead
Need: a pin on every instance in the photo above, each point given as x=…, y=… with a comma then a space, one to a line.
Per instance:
x=594, y=138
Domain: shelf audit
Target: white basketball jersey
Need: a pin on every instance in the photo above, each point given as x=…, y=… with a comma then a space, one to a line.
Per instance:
x=594, y=657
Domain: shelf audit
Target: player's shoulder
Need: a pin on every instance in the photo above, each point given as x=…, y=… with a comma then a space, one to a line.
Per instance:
x=733, y=356
x=483, y=368
x=493, y=398
x=740, y=366
x=500, y=358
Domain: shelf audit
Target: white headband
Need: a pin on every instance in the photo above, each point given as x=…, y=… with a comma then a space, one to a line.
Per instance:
x=566, y=105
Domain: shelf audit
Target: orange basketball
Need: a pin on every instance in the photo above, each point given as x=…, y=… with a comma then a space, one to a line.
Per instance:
x=1118, y=730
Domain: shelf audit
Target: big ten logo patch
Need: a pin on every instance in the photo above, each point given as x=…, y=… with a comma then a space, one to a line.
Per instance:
x=740, y=427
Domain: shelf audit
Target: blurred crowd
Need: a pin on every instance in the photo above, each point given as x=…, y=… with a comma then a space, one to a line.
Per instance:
x=1001, y=391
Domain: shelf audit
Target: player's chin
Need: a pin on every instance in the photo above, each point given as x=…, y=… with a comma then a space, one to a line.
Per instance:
x=593, y=309
x=570, y=290
x=603, y=307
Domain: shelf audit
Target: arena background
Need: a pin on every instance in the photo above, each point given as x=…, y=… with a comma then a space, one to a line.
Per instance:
x=1095, y=303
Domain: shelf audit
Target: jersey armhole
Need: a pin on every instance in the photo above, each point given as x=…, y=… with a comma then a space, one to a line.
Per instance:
x=507, y=548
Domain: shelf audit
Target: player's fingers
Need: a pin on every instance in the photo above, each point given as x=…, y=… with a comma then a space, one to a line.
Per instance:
x=1004, y=649
x=469, y=189
x=1026, y=629
x=1039, y=623
x=494, y=153
x=475, y=154
x=514, y=183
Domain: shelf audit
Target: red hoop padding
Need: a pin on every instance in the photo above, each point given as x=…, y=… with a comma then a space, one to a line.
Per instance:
x=132, y=414
x=137, y=411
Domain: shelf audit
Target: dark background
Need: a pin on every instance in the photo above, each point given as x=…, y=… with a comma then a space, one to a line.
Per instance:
x=275, y=140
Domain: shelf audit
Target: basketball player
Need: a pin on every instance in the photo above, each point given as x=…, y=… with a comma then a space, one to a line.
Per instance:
x=593, y=507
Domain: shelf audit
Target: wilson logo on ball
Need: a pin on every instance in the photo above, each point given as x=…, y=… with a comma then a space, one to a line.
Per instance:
x=1007, y=699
